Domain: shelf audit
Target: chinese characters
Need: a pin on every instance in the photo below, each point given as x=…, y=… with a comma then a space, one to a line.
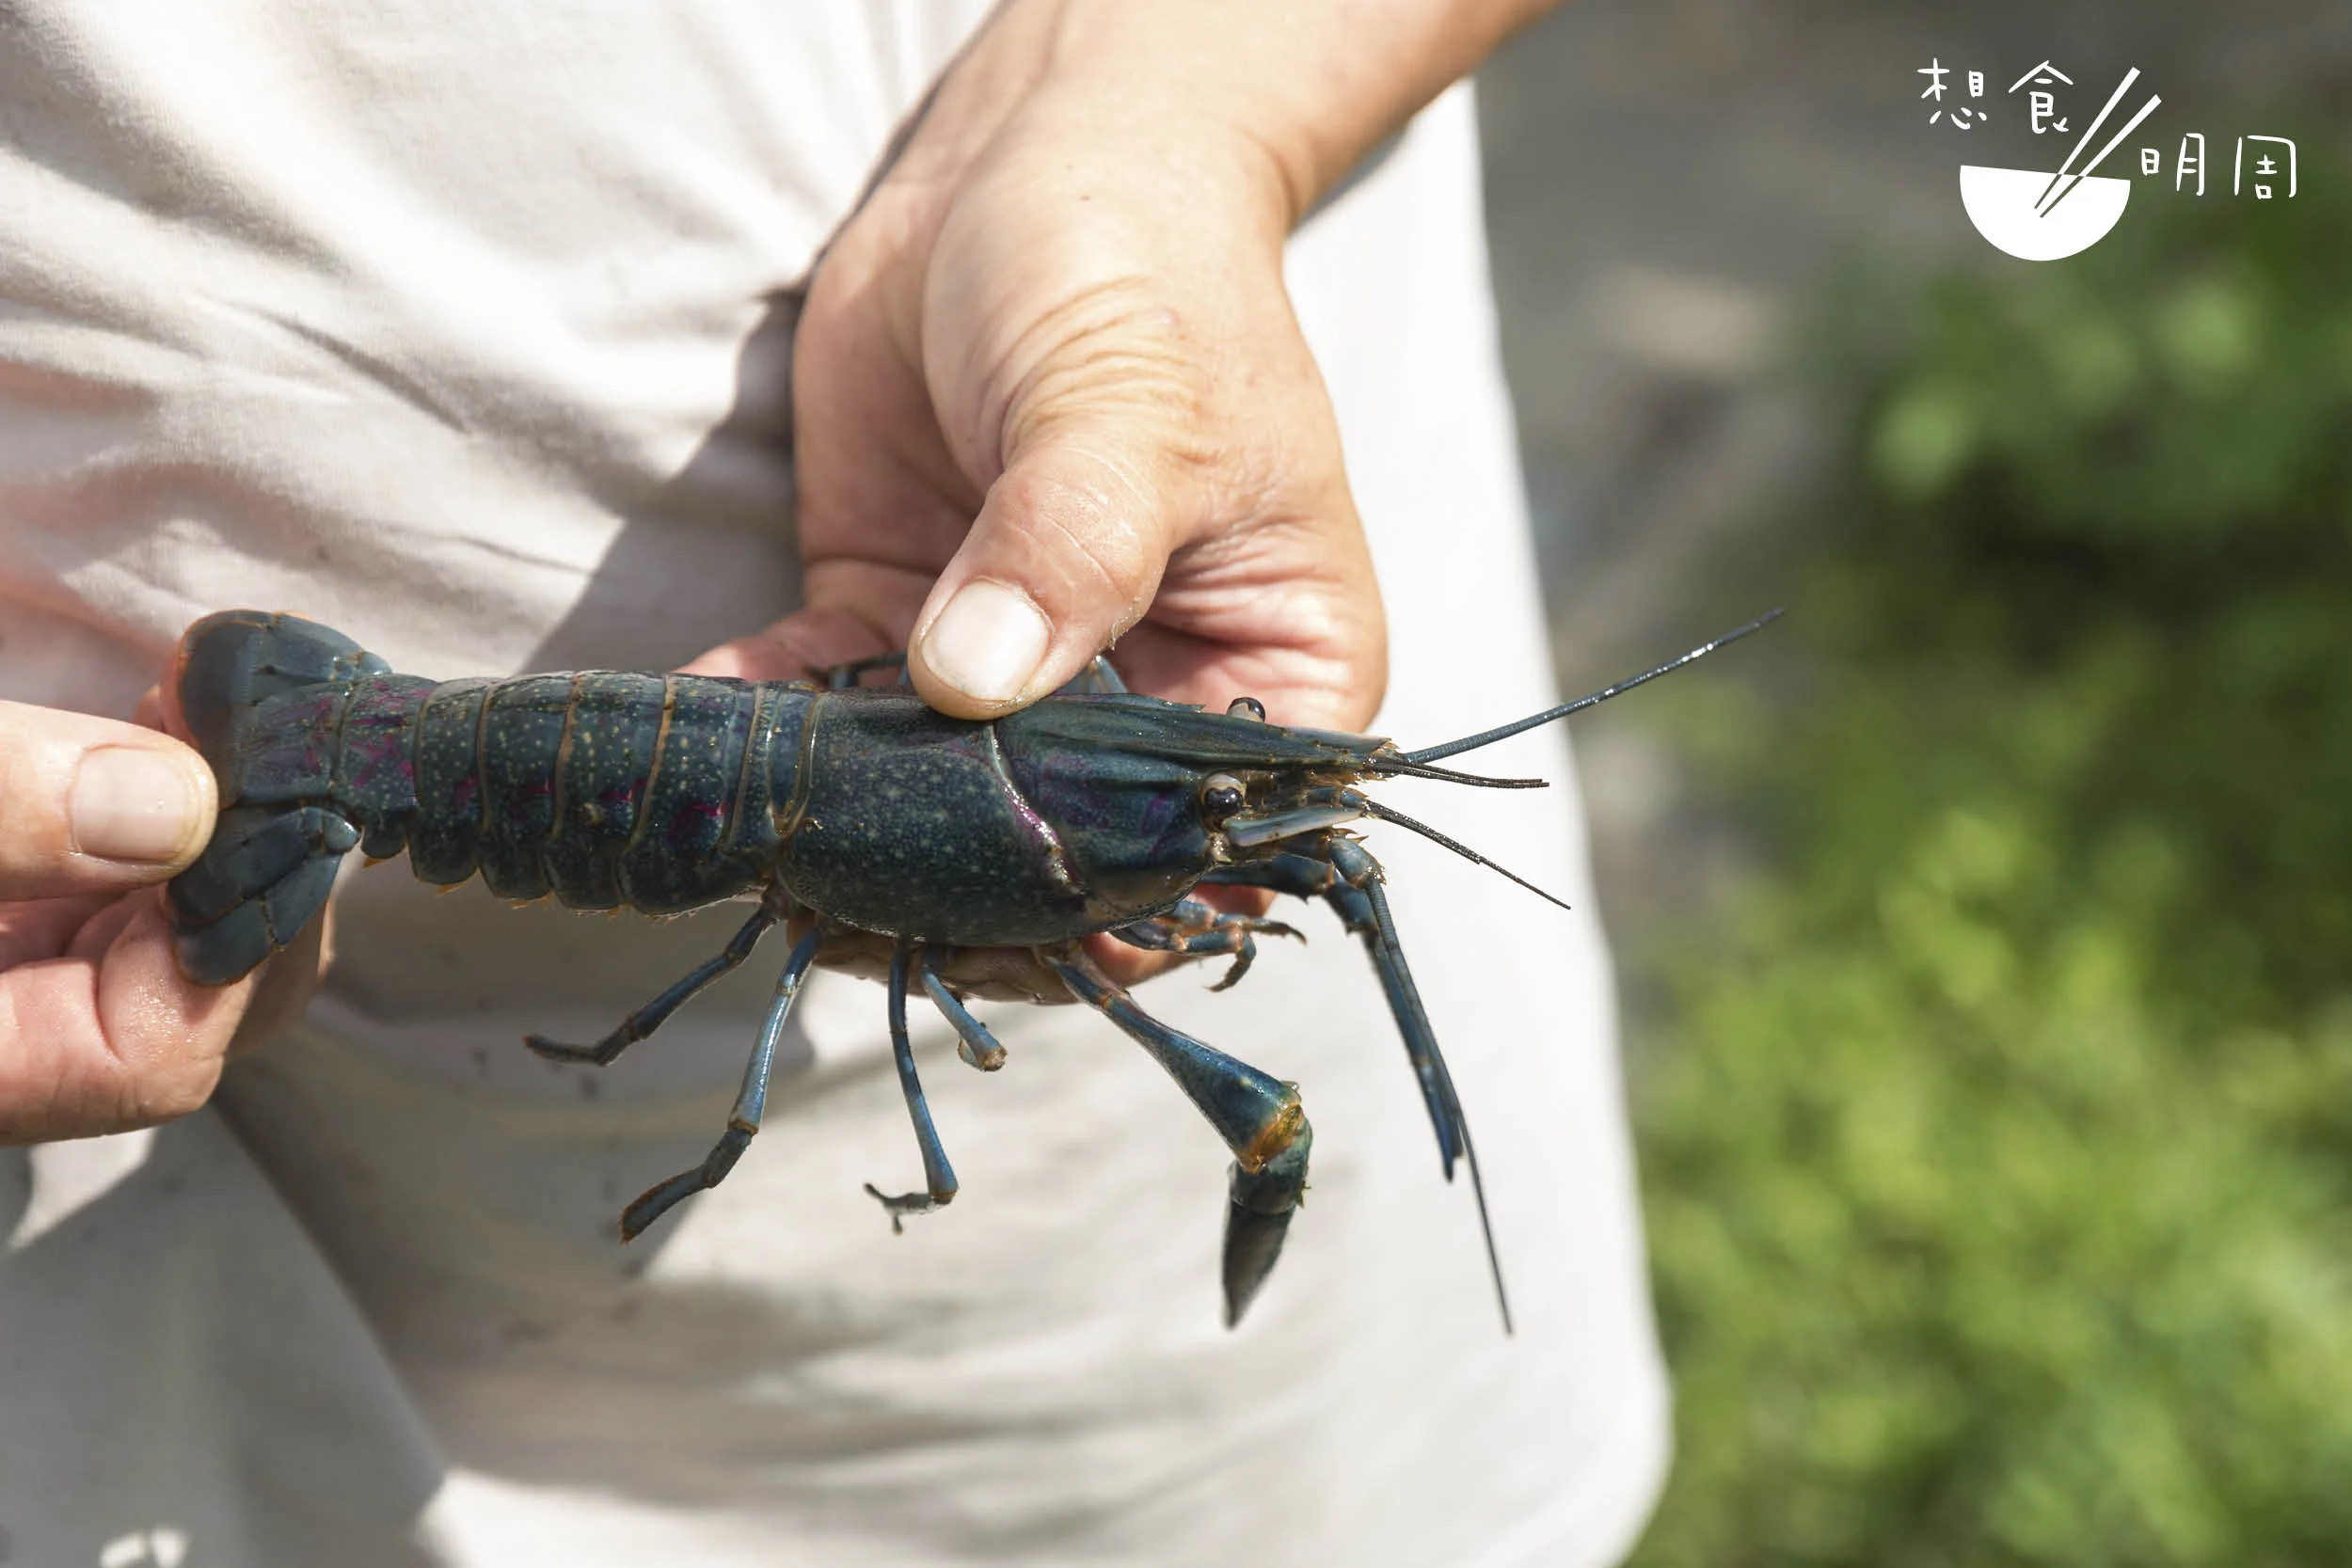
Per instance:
x=2262, y=166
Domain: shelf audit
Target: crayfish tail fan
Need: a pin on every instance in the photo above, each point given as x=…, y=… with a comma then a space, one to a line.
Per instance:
x=228, y=664
x=261, y=696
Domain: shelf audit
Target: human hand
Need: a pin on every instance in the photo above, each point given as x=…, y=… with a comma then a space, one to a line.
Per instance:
x=1062, y=313
x=98, y=1031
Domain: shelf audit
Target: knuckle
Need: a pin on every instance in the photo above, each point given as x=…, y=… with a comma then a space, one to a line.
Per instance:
x=1113, y=349
x=1093, y=518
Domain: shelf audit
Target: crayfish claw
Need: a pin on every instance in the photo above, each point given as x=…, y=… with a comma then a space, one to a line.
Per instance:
x=1245, y=952
x=1258, y=1220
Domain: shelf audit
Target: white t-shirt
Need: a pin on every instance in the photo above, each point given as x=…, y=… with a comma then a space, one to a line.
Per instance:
x=465, y=327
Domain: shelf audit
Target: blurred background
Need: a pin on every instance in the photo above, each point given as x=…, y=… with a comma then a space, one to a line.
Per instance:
x=1983, y=926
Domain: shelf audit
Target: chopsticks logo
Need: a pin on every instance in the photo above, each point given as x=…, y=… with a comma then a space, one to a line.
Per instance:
x=2041, y=215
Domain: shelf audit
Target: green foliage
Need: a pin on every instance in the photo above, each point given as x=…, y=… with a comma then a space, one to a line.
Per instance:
x=1998, y=1143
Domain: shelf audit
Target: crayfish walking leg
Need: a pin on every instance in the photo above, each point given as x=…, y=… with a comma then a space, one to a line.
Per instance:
x=653, y=1014
x=751, y=1101
x=1257, y=1114
x=939, y=1177
x=973, y=1043
x=1196, y=931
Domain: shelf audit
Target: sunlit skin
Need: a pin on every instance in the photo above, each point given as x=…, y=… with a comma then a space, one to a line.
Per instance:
x=99, y=1033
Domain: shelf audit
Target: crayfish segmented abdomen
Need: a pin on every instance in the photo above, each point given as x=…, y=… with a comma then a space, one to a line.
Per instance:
x=603, y=789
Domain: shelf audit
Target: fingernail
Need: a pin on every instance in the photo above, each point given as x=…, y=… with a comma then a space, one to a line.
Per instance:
x=131, y=805
x=987, y=641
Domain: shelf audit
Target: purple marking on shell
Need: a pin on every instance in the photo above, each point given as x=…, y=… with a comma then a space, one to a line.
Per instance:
x=385, y=749
x=1065, y=785
x=1031, y=823
x=1156, y=815
x=376, y=735
x=461, y=793
x=312, y=702
x=527, y=797
x=375, y=704
x=1034, y=826
x=301, y=736
x=693, y=823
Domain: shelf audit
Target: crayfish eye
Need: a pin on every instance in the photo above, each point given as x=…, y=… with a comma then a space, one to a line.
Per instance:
x=1245, y=708
x=1221, y=795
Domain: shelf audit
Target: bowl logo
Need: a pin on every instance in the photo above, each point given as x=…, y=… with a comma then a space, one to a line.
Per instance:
x=2003, y=204
x=2036, y=216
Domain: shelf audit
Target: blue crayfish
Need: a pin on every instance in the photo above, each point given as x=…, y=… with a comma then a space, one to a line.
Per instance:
x=969, y=856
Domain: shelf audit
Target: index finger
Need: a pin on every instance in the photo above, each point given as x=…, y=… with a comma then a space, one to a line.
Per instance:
x=95, y=805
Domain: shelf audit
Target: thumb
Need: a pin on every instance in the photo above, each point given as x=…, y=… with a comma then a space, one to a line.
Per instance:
x=1066, y=554
x=93, y=806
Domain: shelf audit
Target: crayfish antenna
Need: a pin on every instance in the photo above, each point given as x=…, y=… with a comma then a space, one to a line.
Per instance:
x=1486, y=1225
x=1402, y=767
x=1487, y=737
x=1390, y=813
